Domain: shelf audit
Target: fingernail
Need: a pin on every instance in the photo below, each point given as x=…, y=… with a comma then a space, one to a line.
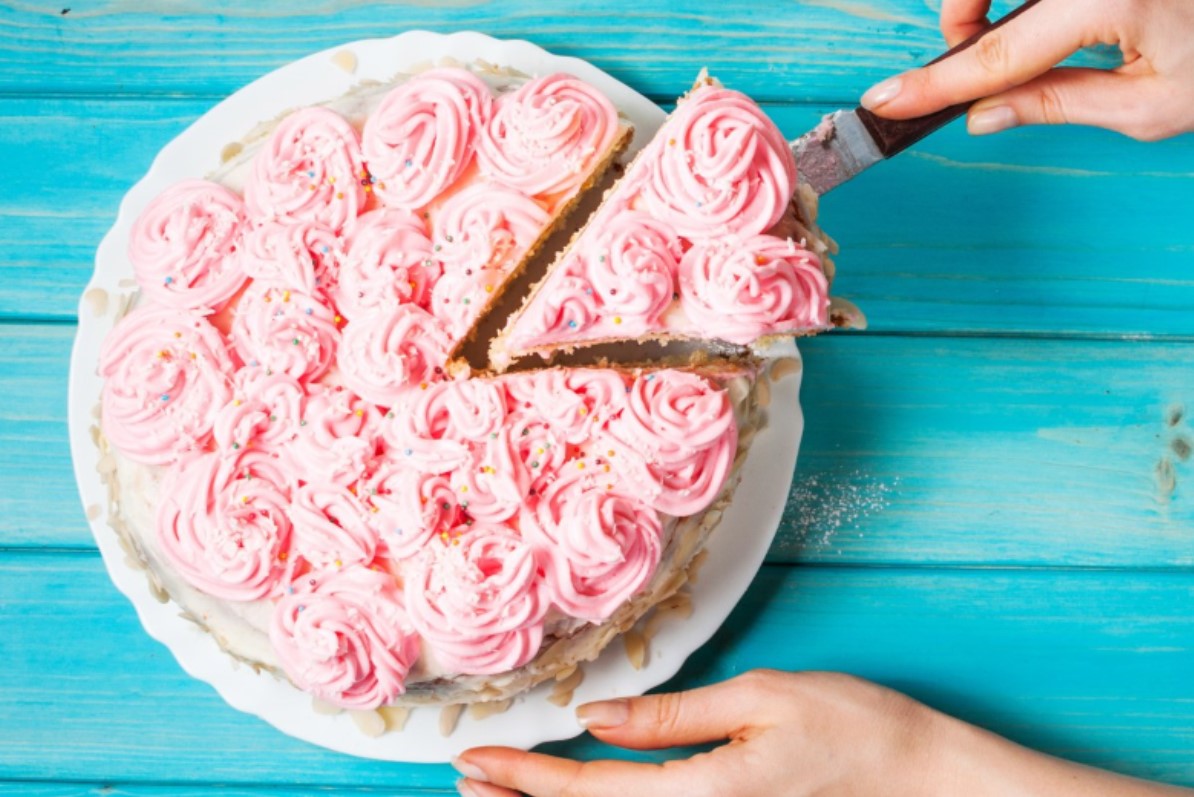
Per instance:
x=606, y=714
x=881, y=93
x=991, y=120
x=469, y=770
x=465, y=790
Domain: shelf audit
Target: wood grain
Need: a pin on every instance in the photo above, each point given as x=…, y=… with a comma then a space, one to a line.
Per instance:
x=1037, y=231
x=1090, y=665
x=944, y=451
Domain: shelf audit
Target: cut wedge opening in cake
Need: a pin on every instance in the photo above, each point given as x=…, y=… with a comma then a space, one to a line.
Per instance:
x=706, y=236
x=298, y=465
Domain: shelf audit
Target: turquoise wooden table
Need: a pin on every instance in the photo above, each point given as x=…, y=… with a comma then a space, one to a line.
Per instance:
x=992, y=510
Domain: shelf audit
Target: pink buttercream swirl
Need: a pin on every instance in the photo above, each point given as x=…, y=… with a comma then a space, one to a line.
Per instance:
x=486, y=226
x=388, y=262
x=632, y=266
x=740, y=290
x=285, y=331
x=477, y=601
x=546, y=137
x=412, y=507
x=680, y=440
x=392, y=351
x=421, y=139
x=308, y=170
x=431, y=430
x=458, y=298
x=302, y=255
x=183, y=246
x=345, y=638
x=331, y=526
x=339, y=436
x=493, y=481
x=597, y=547
x=565, y=305
x=166, y=374
x=721, y=167
x=264, y=412
x=223, y=523
x=541, y=449
x=573, y=402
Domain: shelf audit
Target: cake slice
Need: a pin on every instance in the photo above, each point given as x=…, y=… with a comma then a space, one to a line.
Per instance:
x=705, y=236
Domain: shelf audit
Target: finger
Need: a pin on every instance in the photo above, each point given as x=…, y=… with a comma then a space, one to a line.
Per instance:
x=541, y=775
x=961, y=19
x=1005, y=57
x=475, y=788
x=1116, y=101
x=706, y=714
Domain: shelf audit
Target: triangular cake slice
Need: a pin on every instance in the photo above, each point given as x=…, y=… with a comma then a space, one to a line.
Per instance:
x=704, y=237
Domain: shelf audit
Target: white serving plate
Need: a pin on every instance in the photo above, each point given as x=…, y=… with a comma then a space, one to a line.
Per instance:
x=736, y=549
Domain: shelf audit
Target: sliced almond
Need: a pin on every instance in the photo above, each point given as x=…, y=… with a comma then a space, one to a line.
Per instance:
x=371, y=723
x=449, y=716
x=784, y=366
x=395, y=717
x=489, y=708
x=636, y=648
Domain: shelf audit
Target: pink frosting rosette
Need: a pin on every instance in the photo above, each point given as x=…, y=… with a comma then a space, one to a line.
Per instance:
x=166, y=374
x=339, y=436
x=392, y=351
x=411, y=507
x=740, y=290
x=540, y=448
x=458, y=298
x=308, y=170
x=632, y=266
x=422, y=137
x=331, y=526
x=283, y=330
x=431, y=429
x=388, y=262
x=486, y=226
x=597, y=547
x=722, y=167
x=678, y=440
x=303, y=255
x=264, y=412
x=223, y=523
x=477, y=601
x=566, y=304
x=493, y=481
x=546, y=137
x=183, y=246
x=573, y=402
x=345, y=637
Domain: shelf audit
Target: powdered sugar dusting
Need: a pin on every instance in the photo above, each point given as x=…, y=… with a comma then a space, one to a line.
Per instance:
x=821, y=507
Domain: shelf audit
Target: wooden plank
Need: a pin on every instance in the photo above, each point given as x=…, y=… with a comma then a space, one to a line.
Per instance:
x=916, y=450
x=815, y=50
x=1027, y=232
x=1092, y=665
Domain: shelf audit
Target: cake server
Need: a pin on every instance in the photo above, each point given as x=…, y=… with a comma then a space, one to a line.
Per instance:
x=846, y=143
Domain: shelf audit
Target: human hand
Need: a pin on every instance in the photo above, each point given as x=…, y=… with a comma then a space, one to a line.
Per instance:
x=790, y=735
x=1149, y=97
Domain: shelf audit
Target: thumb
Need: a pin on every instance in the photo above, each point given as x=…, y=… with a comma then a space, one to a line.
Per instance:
x=710, y=713
x=1125, y=103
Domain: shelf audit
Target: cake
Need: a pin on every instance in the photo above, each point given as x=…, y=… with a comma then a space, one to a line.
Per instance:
x=705, y=237
x=291, y=461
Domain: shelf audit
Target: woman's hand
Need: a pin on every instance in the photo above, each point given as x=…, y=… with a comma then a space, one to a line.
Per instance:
x=1149, y=97
x=789, y=735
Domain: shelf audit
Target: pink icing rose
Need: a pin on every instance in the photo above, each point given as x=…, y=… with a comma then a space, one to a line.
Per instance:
x=486, y=226
x=431, y=430
x=302, y=255
x=345, y=637
x=223, y=523
x=477, y=601
x=393, y=351
x=388, y=262
x=412, y=507
x=573, y=402
x=546, y=137
x=308, y=170
x=741, y=290
x=331, y=526
x=458, y=298
x=264, y=412
x=183, y=246
x=283, y=330
x=421, y=138
x=540, y=448
x=565, y=305
x=721, y=167
x=678, y=440
x=339, y=436
x=632, y=265
x=493, y=481
x=166, y=374
x=597, y=547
